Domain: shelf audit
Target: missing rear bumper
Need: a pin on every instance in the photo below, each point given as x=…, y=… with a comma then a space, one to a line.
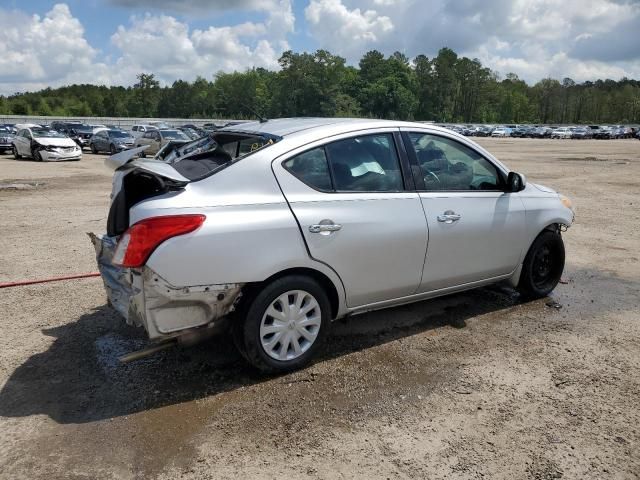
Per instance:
x=146, y=299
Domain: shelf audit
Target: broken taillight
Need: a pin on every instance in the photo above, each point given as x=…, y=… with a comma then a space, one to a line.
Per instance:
x=141, y=239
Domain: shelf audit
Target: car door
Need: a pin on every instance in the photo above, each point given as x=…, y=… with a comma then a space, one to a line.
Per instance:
x=156, y=141
x=476, y=228
x=357, y=214
x=144, y=139
x=99, y=141
x=23, y=142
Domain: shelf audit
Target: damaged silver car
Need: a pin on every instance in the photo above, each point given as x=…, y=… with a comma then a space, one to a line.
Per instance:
x=274, y=229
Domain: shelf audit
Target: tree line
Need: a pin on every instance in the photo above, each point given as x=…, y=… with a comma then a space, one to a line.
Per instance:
x=445, y=88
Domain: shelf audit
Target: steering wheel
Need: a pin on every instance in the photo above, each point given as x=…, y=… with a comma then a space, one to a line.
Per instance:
x=430, y=173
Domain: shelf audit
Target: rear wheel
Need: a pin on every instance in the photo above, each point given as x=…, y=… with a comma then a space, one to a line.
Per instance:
x=16, y=155
x=112, y=149
x=284, y=324
x=142, y=154
x=543, y=265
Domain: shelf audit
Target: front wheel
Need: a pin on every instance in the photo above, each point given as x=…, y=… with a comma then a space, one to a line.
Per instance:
x=284, y=325
x=93, y=148
x=36, y=156
x=543, y=265
x=16, y=155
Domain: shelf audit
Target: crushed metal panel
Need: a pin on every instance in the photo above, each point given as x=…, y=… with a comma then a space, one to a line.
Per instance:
x=116, y=279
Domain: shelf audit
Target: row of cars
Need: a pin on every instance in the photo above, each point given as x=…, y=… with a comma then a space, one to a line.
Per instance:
x=543, y=131
x=66, y=140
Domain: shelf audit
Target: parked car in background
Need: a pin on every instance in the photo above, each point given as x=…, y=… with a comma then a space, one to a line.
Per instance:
x=541, y=132
x=581, y=133
x=258, y=235
x=190, y=132
x=45, y=144
x=111, y=140
x=483, y=131
x=156, y=139
x=561, y=132
x=139, y=130
x=501, y=132
x=523, y=131
x=603, y=133
x=6, y=139
x=11, y=127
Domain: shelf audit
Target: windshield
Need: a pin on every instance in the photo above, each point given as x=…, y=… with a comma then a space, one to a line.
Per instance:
x=82, y=128
x=175, y=134
x=46, y=133
x=119, y=134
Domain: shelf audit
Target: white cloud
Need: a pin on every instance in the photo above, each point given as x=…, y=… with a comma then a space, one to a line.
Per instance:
x=36, y=52
x=348, y=31
x=165, y=46
x=583, y=39
x=40, y=52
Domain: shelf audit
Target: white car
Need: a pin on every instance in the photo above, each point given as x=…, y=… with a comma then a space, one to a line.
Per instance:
x=283, y=226
x=562, y=132
x=44, y=144
x=139, y=130
x=156, y=139
x=501, y=132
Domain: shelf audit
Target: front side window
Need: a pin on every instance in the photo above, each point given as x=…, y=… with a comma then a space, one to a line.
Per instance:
x=446, y=164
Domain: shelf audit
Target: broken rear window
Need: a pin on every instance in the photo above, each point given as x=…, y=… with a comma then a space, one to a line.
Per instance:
x=204, y=157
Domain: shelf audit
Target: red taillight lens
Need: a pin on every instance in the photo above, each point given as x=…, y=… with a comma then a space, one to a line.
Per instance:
x=141, y=239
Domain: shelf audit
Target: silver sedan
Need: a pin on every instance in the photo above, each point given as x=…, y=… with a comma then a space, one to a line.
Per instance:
x=279, y=227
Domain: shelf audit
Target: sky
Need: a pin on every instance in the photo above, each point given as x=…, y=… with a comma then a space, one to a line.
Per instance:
x=48, y=44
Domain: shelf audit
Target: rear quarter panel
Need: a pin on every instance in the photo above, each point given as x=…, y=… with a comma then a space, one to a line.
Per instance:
x=249, y=234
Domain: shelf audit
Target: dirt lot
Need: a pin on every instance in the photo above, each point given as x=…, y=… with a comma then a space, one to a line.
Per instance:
x=468, y=386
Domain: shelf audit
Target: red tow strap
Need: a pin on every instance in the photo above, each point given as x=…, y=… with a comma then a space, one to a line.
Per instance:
x=47, y=280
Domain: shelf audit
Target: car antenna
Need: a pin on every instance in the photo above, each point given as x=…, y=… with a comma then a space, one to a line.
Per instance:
x=261, y=119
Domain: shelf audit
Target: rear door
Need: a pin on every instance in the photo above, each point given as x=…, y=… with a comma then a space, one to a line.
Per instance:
x=476, y=229
x=357, y=214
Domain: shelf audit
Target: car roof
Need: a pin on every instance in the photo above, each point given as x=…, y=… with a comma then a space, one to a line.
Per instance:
x=282, y=127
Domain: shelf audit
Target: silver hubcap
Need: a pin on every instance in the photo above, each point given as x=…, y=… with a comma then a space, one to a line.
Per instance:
x=290, y=325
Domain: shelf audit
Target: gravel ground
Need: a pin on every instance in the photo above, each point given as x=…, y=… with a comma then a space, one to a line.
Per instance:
x=474, y=385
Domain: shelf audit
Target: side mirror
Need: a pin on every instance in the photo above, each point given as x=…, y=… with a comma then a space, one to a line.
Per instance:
x=516, y=182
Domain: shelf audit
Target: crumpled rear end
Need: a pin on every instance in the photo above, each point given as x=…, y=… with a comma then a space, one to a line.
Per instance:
x=116, y=279
x=147, y=300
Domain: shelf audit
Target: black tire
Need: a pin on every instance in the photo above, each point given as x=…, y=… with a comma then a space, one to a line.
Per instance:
x=16, y=155
x=542, y=266
x=112, y=149
x=142, y=154
x=94, y=150
x=36, y=155
x=246, y=327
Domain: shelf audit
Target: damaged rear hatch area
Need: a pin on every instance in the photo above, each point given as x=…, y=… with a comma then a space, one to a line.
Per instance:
x=138, y=293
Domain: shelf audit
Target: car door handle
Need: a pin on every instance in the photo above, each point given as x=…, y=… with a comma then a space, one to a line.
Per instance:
x=449, y=217
x=330, y=227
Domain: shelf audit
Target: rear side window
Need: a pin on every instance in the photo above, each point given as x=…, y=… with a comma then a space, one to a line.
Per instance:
x=312, y=168
x=365, y=164
x=368, y=163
